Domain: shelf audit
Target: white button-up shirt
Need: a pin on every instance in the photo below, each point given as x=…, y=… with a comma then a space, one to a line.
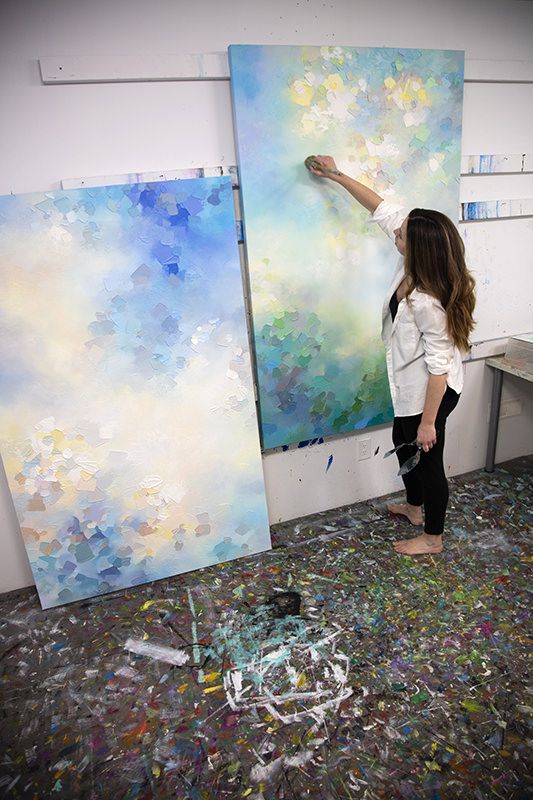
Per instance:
x=417, y=343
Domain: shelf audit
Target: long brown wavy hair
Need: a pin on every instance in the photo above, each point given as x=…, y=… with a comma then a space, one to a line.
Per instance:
x=435, y=263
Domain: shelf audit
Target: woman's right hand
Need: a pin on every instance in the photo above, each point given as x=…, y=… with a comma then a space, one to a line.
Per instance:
x=327, y=163
x=325, y=167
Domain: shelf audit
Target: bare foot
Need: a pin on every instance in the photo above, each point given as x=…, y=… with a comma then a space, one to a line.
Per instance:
x=424, y=543
x=413, y=513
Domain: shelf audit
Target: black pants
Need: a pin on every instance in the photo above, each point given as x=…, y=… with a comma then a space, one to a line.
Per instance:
x=426, y=484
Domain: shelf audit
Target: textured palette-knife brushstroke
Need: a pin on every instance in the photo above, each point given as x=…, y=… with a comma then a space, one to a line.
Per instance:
x=127, y=416
x=318, y=270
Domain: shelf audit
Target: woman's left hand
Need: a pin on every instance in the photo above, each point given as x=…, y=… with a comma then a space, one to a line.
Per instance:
x=426, y=436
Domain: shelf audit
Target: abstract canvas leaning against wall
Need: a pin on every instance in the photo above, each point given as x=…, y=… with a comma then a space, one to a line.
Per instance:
x=318, y=270
x=127, y=414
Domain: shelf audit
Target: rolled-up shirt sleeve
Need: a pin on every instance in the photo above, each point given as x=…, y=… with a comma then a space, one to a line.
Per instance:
x=388, y=216
x=430, y=319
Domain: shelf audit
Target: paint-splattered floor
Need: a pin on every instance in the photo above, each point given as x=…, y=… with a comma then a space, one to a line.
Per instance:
x=400, y=677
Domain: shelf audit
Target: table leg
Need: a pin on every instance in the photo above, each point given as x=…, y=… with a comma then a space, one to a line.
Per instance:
x=497, y=380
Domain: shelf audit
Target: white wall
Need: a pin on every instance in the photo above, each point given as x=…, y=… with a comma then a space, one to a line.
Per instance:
x=50, y=133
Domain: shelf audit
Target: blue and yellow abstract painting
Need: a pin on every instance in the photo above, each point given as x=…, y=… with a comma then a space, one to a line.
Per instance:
x=318, y=269
x=127, y=414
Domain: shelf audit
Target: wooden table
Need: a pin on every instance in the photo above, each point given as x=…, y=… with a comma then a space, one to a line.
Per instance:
x=499, y=365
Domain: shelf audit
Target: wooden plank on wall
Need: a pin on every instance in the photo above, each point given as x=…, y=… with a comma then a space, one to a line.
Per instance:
x=119, y=69
x=497, y=163
x=214, y=66
x=478, y=210
x=496, y=71
x=149, y=177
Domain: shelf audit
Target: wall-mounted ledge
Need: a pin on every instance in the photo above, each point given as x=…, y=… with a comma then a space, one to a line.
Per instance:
x=214, y=66
x=124, y=69
x=494, y=71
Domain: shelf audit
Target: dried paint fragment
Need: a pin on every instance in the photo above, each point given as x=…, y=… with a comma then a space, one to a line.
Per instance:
x=160, y=653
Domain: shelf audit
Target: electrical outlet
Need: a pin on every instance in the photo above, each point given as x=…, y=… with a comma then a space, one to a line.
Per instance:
x=364, y=449
x=511, y=408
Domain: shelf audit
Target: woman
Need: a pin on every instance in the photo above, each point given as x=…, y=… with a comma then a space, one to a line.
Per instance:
x=427, y=321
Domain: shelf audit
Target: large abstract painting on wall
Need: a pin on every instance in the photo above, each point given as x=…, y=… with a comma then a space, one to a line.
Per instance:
x=318, y=269
x=127, y=413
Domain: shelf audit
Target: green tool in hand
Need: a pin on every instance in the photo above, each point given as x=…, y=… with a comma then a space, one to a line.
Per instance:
x=311, y=163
